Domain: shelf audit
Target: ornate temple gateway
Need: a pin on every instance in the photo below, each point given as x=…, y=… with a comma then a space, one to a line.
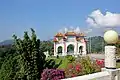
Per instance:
x=70, y=42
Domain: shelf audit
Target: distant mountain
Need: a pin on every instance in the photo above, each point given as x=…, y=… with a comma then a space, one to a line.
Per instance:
x=6, y=42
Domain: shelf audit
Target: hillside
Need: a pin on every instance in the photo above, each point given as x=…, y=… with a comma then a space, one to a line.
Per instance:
x=6, y=42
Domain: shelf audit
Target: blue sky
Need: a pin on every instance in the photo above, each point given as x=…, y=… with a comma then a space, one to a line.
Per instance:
x=48, y=16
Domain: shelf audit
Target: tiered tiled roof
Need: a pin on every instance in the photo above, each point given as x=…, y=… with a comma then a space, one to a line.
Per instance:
x=55, y=39
x=70, y=34
x=80, y=34
x=78, y=39
x=59, y=35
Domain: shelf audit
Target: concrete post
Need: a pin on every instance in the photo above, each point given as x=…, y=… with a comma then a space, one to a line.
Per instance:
x=110, y=62
x=110, y=59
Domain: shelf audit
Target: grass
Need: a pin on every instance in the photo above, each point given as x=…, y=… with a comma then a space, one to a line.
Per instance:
x=63, y=64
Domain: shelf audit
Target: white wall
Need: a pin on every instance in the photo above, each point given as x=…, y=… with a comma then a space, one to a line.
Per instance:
x=73, y=43
x=84, y=47
x=96, y=76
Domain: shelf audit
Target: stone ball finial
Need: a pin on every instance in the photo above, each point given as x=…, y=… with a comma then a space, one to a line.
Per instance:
x=111, y=37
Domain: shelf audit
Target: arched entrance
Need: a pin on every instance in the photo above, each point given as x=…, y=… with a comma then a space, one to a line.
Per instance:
x=59, y=50
x=80, y=49
x=70, y=49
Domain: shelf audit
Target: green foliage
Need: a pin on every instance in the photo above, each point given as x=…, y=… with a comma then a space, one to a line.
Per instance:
x=73, y=69
x=88, y=66
x=97, y=44
x=5, y=54
x=70, y=58
x=81, y=66
x=31, y=55
x=26, y=62
x=53, y=63
x=9, y=68
x=118, y=49
x=60, y=63
x=47, y=46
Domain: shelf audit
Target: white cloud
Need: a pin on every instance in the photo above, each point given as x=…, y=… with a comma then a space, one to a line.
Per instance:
x=97, y=19
x=88, y=31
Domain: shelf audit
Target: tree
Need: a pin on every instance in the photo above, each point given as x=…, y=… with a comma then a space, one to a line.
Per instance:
x=10, y=67
x=31, y=55
x=118, y=48
x=5, y=52
x=96, y=44
x=26, y=62
x=47, y=46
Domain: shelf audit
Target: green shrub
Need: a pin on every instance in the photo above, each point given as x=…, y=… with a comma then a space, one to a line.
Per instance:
x=28, y=63
x=70, y=58
x=89, y=66
x=73, y=69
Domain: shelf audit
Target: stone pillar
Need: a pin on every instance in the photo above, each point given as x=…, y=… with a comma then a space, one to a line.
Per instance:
x=55, y=53
x=64, y=48
x=110, y=59
x=75, y=49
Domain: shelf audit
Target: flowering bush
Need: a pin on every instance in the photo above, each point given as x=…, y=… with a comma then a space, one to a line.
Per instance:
x=73, y=69
x=100, y=63
x=81, y=67
x=52, y=74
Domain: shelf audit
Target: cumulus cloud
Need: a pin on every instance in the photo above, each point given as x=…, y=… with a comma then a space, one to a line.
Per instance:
x=97, y=19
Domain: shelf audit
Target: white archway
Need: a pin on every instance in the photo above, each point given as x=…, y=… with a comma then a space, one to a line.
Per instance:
x=60, y=50
x=70, y=49
x=80, y=49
